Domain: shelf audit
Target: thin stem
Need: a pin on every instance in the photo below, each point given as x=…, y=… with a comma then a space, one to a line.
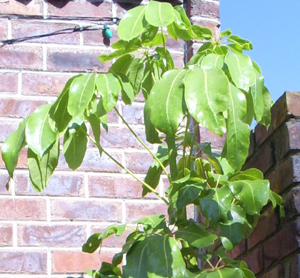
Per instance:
x=184, y=141
x=192, y=145
x=143, y=144
x=101, y=150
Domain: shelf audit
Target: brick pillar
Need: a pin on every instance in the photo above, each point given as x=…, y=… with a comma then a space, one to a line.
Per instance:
x=272, y=251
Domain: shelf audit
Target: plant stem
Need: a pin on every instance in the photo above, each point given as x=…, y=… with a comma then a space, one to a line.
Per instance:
x=184, y=141
x=101, y=150
x=143, y=144
x=192, y=145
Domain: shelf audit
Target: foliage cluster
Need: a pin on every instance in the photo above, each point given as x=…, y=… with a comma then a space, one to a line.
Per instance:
x=220, y=89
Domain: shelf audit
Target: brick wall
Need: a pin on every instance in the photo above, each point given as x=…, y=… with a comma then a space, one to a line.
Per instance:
x=272, y=251
x=42, y=233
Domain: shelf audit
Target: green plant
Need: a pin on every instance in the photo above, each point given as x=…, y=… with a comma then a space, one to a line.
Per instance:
x=220, y=89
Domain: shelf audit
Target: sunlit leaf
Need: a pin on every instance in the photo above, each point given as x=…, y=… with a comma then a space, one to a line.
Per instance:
x=212, y=61
x=159, y=14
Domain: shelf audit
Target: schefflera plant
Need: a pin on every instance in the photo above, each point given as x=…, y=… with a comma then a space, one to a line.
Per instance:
x=220, y=89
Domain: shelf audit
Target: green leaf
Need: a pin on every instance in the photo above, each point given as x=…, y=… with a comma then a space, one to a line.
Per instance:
x=159, y=14
x=156, y=222
x=166, y=57
x=155, y=170
x=206, y=95
x=149, y=35
x=251, y=194
x=95, y=124
x=122, y=65
x=109, y=88
x=241, y=70
x=164, y=258
x=12, y=147
x=183, y=17
x=39, y=134
x=149, y=77
x=74, y=146
x=239, y=42
x=80, y=94
x=126, y=88
x=150, y=130
x=249, y=174
x=95, y=240
x=266, y=118
x=224, y=273
x=225, y=33
x=136, y=74
x=212, y=61
x=166, y=103
x=159, y=39
x=41, y=169
x=196, y=236
x=257, y=92
x=132, y=24
x=231, y=235
x=201, y=32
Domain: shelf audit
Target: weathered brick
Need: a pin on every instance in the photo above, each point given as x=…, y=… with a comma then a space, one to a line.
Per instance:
x=217, y=142
x=133, y=114
x=3, y=180
x=51, y=235
x=292, y=203
x=86, y=210
x=27, y=28
x=77, y=262
x=254, y=260
x=280, y=245
x=7, y=128
x=3, y=28
x=79, y=9
x=137, y=210
x=138, y=162
x=23, y=209
x=74, y=60
x=21, y=57
x=18, y=108
x=116, y=186
x=6, y=234
x=203, y=9
x=23, y=7
x=8, y=82
x=59, y=185
x=22, y=161
x=44, y=83
x=276, y=272
x=238, y=249
x=97, y=37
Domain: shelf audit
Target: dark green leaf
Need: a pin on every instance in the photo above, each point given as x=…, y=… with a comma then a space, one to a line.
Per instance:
x=122, y=64
x=150, y=130
x=224, y=273
x=231, y=234
x=136, y=74
x=149, y=35
x=95, y=124
x=166, y=56
x=186, y=195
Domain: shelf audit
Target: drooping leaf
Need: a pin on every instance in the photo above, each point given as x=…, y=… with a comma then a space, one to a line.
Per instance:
x=224, y=273
x=266, y=118
x=201, y=32
x=196, y=236
x=183, y=17
x=74, y=146
x=41, y=169
x=231, y=234
x=80, y=94
x=126, y=88
x=257, y=92
x=150, y=130
x=122, y=64
x=95, y=122
x=39, y=134
x=132, y=24
x=159, y=14
x=136, y=74
x=206, y=96
x=149, y=77
x=251, y=194
x=165, y=102
x=241, y=70
x=12, y=147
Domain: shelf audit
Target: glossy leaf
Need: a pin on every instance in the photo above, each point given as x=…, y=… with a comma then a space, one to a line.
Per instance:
x=39, y=134
x=231, y=234
x=183, y=17
x=74, y=147
x=201, y=32
x=165, y=102
x=249, y=174
x=212, y=61
x=159, y=14
x=252, y=195
x=150, y=130
x=196, y=236
x=206, y=95
x=132, y=24
x=241, y=70
x=224, y=273
x=126, y=88
x=257, y=92
x=80, y=94
x=136, y=74
x=266, y=118
x=122, y=64
x=41, y=169
x=12, y=147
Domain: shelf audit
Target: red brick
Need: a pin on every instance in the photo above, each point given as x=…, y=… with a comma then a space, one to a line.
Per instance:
x=217, y=142
x=254, y=260
x=74, y=60
x=133, y=114
x=276, y=272
x=3, y=180
x=8, y=82
x=292, y=203
x=6, y=233
x=21, y=57
x=7, y=128
x=238, y=249
x=44, y=83
x=23, y=209
x=203, y=9
x=294, y=269
x=86, y=210
x=17, y=108
x=77, y=261
x=3, y=28
x=59, y=185
x=21, y=7
x=137, y=210
x=281, y=244
x=138, y=162
x=51, y=235
x=79, y=9
x=116, y=186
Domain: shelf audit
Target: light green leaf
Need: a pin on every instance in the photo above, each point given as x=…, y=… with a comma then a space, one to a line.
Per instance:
x=41, y=169
x=212, y=61
x=164, y=258
x=266, y=118
x=249, y=174
x=39, y=134
x=165, y=102
x=109, y=88
x=239, y=42
x=159, y=14
x=12, y=147
x=225, y=33
x=201, y=32
x=136, y=74
x=80, y=94
x=156, y=221
x=257, y=92
x=157, y=40
x=251, y=194
x=206, y=95
x=241, y=70
x=196, y=236
x=149, y=35
x=126, y=88
x=183, y=17
x=132, y=24
x=224, y=273
x=74, y=146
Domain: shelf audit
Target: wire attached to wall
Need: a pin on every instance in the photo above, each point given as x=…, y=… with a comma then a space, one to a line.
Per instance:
x=95, y=26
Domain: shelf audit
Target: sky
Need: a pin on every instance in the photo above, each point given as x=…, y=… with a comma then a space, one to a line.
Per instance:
x=273, y=27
